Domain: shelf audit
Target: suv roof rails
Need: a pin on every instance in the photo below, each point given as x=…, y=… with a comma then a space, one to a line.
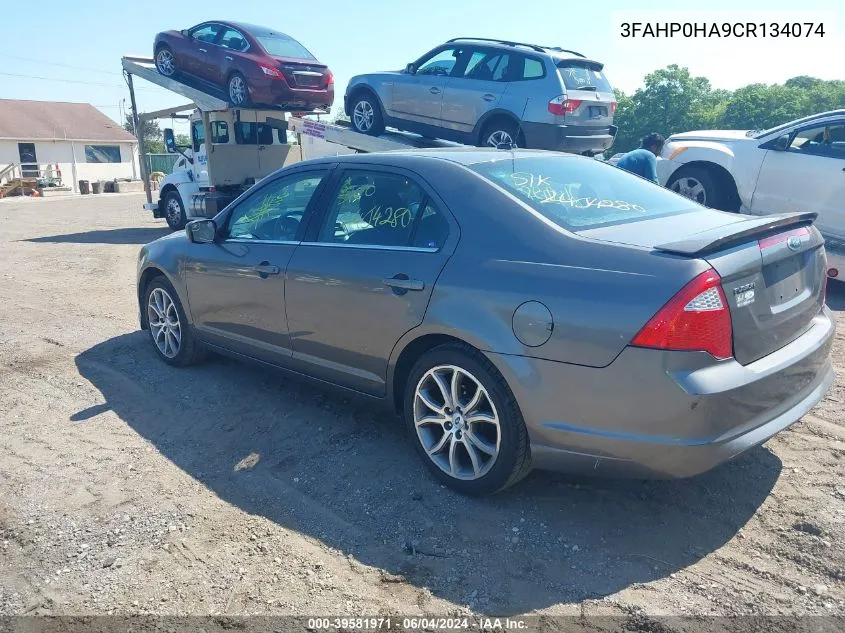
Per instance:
x=539, y=49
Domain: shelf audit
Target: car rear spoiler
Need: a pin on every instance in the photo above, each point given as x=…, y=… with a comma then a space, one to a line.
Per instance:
x=736, y=233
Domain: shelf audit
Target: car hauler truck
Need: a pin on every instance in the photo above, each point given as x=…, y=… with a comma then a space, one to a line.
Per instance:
x=233, y=148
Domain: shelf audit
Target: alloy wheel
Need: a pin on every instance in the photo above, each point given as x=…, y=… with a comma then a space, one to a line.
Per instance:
x=163, y=318
x=363, y=116
x=456, y=422
x=165, y=63
x=500, y=136
x=690, y=188
x=237, y=90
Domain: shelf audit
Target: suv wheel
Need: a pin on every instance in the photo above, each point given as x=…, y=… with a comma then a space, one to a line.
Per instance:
x=464, y=421
x=502, y=131
x=366, y=115
x=702, y=185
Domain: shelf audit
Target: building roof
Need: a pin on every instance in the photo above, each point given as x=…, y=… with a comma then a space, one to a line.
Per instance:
x=57, y=121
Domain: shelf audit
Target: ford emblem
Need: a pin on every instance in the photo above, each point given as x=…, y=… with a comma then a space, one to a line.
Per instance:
x=794, y=242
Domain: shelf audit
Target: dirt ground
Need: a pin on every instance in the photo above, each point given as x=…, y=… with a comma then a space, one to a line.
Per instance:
x=131, y=487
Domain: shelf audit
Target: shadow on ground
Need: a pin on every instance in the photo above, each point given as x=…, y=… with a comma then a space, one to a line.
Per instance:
x=344, y=473
x=134, y=235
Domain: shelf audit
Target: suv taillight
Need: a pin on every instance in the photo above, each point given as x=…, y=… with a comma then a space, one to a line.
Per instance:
x=612, y=108
x=561, y=105
x=697, y=318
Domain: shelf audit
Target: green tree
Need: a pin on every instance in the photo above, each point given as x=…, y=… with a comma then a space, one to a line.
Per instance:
x=153, y=137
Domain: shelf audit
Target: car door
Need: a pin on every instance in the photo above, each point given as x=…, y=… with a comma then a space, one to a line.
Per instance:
x=197, y=48
x=236, y=286
x=475, y=89
x=232, y=44
x=364, y=275
x=418, y=97
x=808, y=176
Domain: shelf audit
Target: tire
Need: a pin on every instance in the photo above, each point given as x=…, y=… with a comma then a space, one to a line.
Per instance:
x=171, y=336
x=166, y=68
x=702, y=185
x=366, y=114
x=486, y=473
x=238, y=90
x=174, y=210
x=499, y=131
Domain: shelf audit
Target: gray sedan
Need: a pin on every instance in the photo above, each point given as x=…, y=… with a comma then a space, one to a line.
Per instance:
x=517, y=309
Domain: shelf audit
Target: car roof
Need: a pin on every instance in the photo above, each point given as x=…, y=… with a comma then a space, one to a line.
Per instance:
x=258, y=31
x=552, y=51
x=458, y=155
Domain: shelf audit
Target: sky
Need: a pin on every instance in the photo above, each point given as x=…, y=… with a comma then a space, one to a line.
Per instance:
x=72, y=51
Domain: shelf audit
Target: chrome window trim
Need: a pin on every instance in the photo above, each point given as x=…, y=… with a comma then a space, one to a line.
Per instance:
x=244, y=240
x=377, y=247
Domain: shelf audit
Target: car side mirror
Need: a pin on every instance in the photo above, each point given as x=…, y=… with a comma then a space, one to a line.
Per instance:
x=201, y=231
x=782, y=143
x=169, y=141
x=184, y=33
x=410, y=69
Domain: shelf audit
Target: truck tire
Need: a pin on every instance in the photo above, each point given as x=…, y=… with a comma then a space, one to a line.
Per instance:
x=174, y=210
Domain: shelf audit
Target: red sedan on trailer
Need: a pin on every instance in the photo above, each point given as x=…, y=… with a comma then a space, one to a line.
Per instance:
x=253, y=64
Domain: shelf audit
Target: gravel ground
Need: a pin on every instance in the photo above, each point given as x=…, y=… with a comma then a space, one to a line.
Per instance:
x=130, y=487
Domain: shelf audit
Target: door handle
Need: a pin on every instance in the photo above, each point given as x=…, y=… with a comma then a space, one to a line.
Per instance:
x=401, y=283
x=265, y=269
x=434, y=90
x=489, y=97
x=229, y=58
x=203, y=50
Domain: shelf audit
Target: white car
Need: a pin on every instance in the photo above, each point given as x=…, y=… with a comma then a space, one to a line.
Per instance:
x=798, y=166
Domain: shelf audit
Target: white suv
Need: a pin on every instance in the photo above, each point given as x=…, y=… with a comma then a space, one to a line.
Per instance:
x=799, y=166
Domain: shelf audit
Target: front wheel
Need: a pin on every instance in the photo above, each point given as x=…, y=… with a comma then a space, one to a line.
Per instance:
x=168, y=326
x=174, y=210
x=465, y=422
x=366, y=115
x=701, y=185
x=238, y=90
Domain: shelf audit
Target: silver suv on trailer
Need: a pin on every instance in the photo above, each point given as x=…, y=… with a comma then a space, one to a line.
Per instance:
x=489, y=92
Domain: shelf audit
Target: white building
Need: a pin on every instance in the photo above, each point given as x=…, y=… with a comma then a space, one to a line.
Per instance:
x=77, y=138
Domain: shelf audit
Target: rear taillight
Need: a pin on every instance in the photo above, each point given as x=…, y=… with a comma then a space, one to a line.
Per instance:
x=697, y=318
x=275, y=73
x=329, y=79
x=561, y=105
x=612, y=107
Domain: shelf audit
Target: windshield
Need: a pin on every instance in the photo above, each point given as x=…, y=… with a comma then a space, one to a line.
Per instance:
x=280, y=46
x=582, y=76
x=579, y=194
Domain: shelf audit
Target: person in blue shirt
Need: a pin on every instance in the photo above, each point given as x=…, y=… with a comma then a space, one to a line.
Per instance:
x=643, y=161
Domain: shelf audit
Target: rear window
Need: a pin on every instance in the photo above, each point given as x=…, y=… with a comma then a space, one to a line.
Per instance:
x=284, y=47
x=579, y=194
x=581, y=76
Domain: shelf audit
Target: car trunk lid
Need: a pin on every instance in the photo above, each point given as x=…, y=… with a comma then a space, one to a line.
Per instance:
x=589, y=93
x=304, y=74
x=771, y=268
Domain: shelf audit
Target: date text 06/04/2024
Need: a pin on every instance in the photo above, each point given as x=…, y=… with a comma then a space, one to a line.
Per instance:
x=723, y=29
x=417, y=624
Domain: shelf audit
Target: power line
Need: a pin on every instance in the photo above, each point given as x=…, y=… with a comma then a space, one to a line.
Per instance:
x=77, y=81
x=41, y=61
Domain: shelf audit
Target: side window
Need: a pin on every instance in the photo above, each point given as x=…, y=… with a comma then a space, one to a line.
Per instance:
x=233, y=40
x=487, y=66
x=219, y=132
x=432, y=229
x=275, y=211
x=824, y=140
x=206, y=33
x=197, y=134
x=533, y=69
x=373, y=208
x=440, y=63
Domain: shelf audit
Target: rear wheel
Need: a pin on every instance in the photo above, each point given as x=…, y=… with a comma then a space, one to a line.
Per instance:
x=165, y=61
x=366, y=115
x=702, y=185
x=464, y=421
x=238, y=90
x=174, y=210
x=498, y=132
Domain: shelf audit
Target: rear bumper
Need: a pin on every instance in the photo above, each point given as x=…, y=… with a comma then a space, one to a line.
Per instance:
x=666, y=414
x=568, y=138
x=278, y=93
